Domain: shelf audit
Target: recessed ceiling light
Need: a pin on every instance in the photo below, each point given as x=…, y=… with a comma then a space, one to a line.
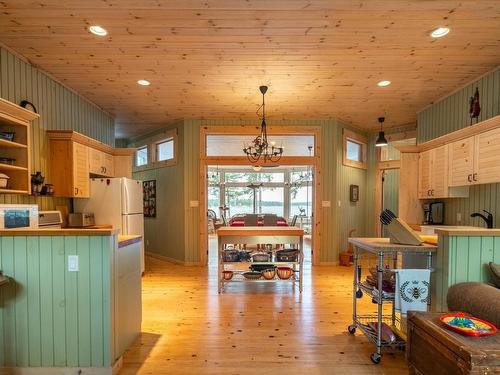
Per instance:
x=98, y=30
x=143, y=82
x=440, y=32
x=384, y=83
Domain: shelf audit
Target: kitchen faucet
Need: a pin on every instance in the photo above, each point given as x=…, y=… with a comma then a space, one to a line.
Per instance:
x=488, y=219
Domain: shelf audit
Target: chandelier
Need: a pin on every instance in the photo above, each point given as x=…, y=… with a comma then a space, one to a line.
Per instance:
x=260, y=146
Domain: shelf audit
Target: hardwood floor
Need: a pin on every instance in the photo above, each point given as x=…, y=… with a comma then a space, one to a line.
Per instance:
x=264, y=328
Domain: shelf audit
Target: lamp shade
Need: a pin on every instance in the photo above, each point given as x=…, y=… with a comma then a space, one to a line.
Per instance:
x=381, y=141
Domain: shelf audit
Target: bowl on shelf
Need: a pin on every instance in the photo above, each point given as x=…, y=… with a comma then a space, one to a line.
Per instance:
x=228, y=275
x=261, y=267
x=261, y=257
x=284, y=273
x=269, y=274
x=288, y=255
x=252, y=275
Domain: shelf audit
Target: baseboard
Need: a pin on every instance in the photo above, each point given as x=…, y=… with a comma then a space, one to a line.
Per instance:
x=171, y=260
x=57, y=371
x=336, y=263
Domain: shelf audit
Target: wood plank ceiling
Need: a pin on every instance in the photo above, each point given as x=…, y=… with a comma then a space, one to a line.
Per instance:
x=206, y=59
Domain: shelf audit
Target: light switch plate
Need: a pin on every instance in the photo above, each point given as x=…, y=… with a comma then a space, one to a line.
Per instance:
x=194, y=204
x=72, y=263
x=325, y=204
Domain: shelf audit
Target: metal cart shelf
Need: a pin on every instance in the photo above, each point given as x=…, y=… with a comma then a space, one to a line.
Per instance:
x=382, y=248
x=260, y=235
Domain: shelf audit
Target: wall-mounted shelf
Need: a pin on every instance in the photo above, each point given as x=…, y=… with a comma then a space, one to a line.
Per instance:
x=17, y=120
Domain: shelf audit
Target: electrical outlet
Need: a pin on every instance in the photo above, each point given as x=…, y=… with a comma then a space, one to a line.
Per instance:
x=147, y=243
x=459, y=217
x=72, y=263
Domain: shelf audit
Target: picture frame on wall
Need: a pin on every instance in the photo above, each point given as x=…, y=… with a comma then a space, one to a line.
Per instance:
x=354, y=193
x=149, y=198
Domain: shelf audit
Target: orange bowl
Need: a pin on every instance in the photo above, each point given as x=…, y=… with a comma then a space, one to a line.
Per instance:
x=269, y=274
x=284, y=273
x=228, y=275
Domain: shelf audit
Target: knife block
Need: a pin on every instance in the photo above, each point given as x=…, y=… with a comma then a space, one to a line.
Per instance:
x=401, y=233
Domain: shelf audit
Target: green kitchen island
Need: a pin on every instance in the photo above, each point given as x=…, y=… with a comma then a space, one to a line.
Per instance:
x=73, y=300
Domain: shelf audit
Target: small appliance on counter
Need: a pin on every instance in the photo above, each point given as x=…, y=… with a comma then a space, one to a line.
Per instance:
x=14, y=216
x=433, y=213
x=49, y=220
x=81, y=219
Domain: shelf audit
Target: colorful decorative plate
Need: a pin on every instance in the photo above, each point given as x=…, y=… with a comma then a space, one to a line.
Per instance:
x=468, y=325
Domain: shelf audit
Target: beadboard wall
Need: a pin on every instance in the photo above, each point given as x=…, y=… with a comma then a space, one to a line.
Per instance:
x=175, y=215
x=451, y=114
x=59, y=108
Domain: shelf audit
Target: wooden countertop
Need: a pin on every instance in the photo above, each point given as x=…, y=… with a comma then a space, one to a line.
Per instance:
x=59, y=232
x=469, y=232
x=383, y=244
x=128, y=239
x=260, y=231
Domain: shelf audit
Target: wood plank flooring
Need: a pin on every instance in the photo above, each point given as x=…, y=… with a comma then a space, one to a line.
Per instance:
x=264, y=328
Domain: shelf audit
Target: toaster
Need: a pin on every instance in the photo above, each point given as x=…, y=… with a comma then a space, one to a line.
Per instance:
x=81, y=219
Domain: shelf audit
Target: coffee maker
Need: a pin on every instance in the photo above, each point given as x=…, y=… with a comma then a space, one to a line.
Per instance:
x=433, y=213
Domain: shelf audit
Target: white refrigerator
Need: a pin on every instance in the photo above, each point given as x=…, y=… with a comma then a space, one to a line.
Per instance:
x=116, y=201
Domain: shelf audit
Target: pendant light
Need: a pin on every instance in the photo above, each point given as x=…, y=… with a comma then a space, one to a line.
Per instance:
x=381, y=141
x=260, y=146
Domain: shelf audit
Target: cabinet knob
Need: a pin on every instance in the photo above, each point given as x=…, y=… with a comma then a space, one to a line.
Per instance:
x=428, y=193
x=469, y=178
x=104, y=169
x=474, y=176
x=76, y=191
x=432, y=192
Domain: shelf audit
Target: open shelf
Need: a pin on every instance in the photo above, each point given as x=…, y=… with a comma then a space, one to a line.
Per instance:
x=10, y=167
x=14, y=191
x=5, y=143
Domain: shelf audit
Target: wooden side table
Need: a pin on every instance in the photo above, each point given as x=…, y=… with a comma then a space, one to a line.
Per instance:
x=433, y=349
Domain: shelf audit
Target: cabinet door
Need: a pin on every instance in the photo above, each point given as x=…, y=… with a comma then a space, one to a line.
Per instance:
x=81, y=181
x=108, y=164
x=487, y=158
x=461, y=162
x=439, y=172
x=95, y=161
x=424, y=174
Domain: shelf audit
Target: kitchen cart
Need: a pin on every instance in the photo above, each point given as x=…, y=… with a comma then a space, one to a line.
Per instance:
x=381, y=247
x=260, y=235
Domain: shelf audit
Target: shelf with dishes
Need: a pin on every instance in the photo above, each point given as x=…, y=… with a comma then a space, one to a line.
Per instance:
x=15, y=174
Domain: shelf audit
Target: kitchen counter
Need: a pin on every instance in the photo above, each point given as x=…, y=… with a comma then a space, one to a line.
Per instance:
x=59, y=232
x=468, y=231
x=128, y=239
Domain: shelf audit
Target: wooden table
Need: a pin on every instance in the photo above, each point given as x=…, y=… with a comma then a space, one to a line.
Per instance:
x=260, y=235
x=381, y=247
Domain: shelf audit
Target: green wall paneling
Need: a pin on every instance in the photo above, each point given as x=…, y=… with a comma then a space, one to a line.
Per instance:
x=451, y=114
x=59, y=108
x=461, y=259
x=50, y=317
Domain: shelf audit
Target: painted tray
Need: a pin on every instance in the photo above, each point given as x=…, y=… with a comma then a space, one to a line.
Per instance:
x=467, y=324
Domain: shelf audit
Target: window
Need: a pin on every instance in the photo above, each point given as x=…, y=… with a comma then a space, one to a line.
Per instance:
x=354, y=150
x=165, y=150
x=141, y=156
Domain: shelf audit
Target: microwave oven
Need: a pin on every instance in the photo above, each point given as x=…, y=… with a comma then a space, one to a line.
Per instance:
x=24, y=216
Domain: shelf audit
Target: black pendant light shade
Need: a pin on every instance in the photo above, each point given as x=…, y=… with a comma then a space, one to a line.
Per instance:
x=381, y=140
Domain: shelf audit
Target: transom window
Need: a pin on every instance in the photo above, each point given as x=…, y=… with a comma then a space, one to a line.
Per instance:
x=141, y=156
x=354, y=149
x=165, y=150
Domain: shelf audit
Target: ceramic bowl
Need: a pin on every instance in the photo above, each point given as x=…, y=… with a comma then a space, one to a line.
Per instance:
x=252, y=275
x=284, y=273
x=228, y=275
x=269, y=274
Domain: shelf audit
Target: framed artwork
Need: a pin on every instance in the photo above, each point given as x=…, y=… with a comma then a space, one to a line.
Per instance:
x=149, y=198
x=353, y=193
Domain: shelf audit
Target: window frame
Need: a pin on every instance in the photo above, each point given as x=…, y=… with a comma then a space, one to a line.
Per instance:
x=152, y=146
x=147, y=156
x=359, y=139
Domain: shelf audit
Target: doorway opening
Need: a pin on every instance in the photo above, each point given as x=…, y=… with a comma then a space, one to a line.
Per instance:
x=285, y=193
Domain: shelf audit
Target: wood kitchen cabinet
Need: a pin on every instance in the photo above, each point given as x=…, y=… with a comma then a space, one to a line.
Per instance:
x=69, y=165
x=475, y=160
x=433, y=173
x=74, y=157
x=101, y=163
